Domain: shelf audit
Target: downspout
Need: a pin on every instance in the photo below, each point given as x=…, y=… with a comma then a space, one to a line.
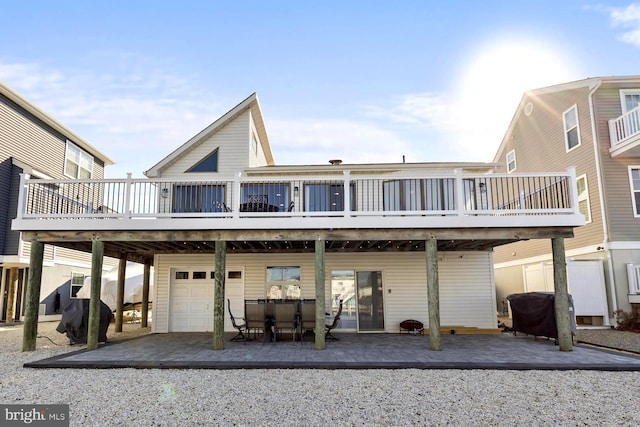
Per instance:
x=605, y=232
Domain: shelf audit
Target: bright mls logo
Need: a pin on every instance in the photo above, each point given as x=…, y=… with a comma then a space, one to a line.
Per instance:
x=34, y=415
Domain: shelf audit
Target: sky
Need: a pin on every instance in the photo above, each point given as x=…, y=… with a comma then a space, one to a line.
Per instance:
x=362, y=81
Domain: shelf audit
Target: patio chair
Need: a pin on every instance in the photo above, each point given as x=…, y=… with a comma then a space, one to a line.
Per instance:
x=285, y=317
x=240, y=336
x=307, y=317
x=254, y=317
x=328, y=336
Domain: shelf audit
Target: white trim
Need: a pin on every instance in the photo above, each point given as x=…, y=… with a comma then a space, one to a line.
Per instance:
x=630, y=245
x=515, y=166
x=566, y=131
x=587, y=198
x=623, y=102
x=632, y=189
x=549, y=257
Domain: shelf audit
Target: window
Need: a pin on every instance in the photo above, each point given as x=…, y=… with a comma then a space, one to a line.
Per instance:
x=254, y=144
x=199, y=275
x=276, y=195
x=283, y=282
x=199, y=198
x=571, y=130
x=77, y=281
x=327, y=197
x=634, y=177
x=182, y=275
x=630, y=99
x=208, y=164
x=78, y=163
x=583, y=198
x=511, y=161
x=419, y=194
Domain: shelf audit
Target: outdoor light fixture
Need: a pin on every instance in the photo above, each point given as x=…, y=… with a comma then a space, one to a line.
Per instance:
x=164, y=193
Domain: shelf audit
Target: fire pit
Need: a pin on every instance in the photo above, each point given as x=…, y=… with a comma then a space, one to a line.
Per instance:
x=412, y=327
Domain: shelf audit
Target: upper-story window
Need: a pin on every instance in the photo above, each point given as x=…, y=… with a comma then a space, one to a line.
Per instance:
x=208, y=164
x=634, y=180
x=583, y=198
x=78, y=163
x=571, y=128
x=630, y=99
x=511, y=161
x=254, y=144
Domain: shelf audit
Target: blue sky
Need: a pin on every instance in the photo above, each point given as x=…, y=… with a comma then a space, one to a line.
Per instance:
x=363, y=81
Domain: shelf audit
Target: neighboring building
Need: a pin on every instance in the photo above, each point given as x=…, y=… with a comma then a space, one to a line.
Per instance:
x=594, y=126
x=374, y=221
x=34, y=144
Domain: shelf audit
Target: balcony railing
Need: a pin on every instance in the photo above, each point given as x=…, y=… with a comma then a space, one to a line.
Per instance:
x=624, y=128
x=346, y=197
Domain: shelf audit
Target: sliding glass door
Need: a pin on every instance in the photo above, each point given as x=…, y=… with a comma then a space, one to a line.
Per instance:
x=370, y=301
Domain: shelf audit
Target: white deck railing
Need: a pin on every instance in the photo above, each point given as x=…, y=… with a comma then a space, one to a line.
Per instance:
x=633, y=277
x=457, y=194
x=624, y=127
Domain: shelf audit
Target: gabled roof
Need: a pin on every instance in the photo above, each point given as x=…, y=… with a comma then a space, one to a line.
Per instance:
x=250, y=103
x=589, y=83
x=54, y=124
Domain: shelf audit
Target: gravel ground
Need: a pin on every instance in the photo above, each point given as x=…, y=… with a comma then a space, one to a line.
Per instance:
x=408, y=397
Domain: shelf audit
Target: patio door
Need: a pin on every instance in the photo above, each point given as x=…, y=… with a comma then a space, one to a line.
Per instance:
x=370, y=301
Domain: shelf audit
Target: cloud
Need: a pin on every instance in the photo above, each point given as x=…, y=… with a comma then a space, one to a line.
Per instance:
x=316, y=141
x=418, y=109
x=628, y=17
x=135, y=114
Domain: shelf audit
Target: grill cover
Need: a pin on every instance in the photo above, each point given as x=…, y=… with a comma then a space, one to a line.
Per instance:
x=75, y=321
x=534, y=313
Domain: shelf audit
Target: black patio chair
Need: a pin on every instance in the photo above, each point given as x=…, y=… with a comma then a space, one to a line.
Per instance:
x=240, y=336
x=328, y=336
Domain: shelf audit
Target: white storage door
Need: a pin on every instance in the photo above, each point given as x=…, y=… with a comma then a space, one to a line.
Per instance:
x=586, y=286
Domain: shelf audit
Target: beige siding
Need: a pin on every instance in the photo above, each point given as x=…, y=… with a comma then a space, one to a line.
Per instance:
x=539, y=143
x=623, y=226
x=466, y=282
x=259, y=158
x=233, y=144
x=48, y=251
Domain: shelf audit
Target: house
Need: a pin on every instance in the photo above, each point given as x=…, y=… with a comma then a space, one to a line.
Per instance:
x=218, y=220
x=35, y=144
x=594, y=126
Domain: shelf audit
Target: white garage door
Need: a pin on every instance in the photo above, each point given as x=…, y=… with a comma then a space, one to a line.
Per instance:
x=191, y=299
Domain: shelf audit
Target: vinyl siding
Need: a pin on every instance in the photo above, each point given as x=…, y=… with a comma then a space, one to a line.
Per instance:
x=466, y=282
x=539, y=143
x=259, y=158
x=622, y=225
x=233, y=144
x=26, y=139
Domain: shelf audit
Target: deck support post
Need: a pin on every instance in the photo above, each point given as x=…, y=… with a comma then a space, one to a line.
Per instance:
x=12, y=294
x=32, y=298
x=144, y=310
x=563, y=317
x=433, y=294
x=218, y=295
x=122, y=274
x=320, y=293
x=93, y=329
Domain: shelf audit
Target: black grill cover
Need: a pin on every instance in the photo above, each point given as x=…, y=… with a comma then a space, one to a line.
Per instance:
x=75, y=321
x=534, y=313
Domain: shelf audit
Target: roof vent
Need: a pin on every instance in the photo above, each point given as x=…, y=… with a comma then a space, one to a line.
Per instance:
x=335, y=162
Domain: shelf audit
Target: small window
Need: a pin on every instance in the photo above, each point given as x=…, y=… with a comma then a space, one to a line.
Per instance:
x=571, y=128
x=199, y=275
x=634, y=178
x=630, y=99
x=208, y=164
x=254, y=144
x=235, y=275
x=583, y=198
x=182, y=275
x=283, y=282
x=511, y=161
x=78, y=163
x=77, y=281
